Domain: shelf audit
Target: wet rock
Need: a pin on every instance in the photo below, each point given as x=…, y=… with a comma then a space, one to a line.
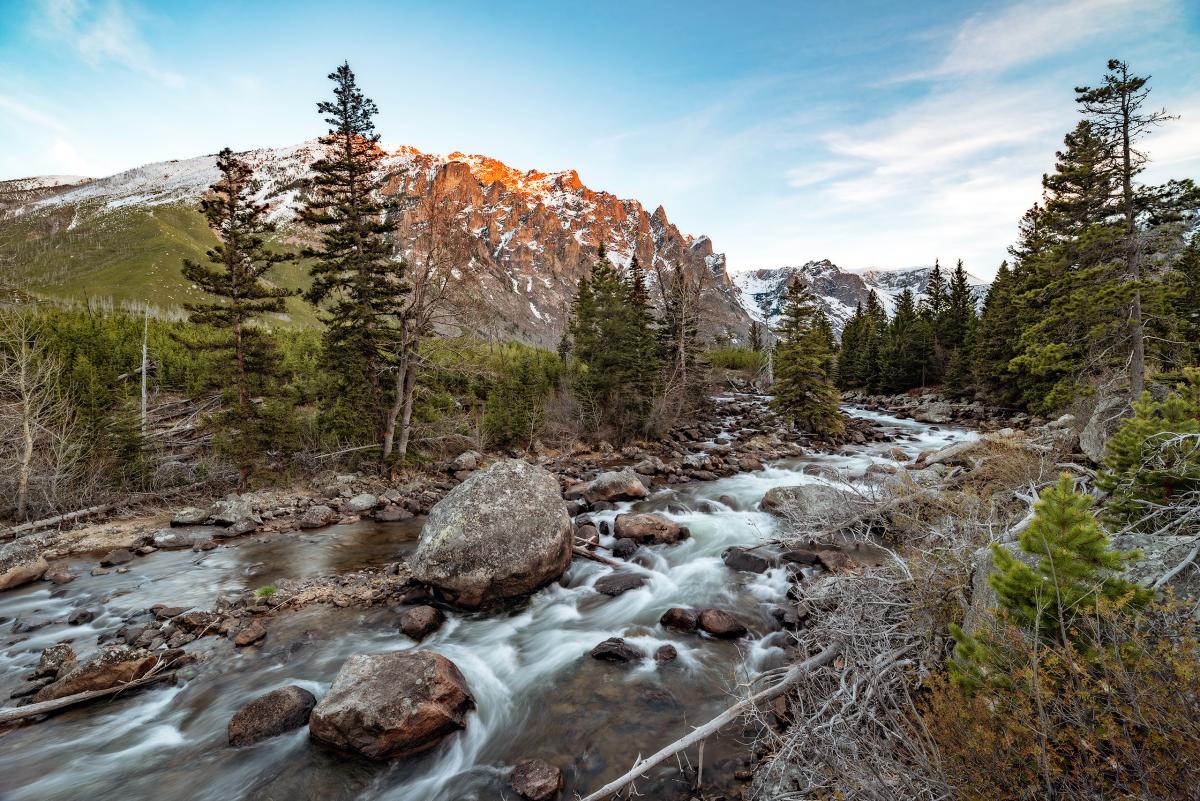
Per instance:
x=117, y=557
x=421, y=621
x=502, y=533
x=20, y=563
x=113, y=666
x=587, y=533
x=897, y=454
x=741, y=559
x=98, y=571
x=163, y=612
x=183, y=536
x=665, y=653
x=270, y=715
x=680, y=618
x=80, y=616
x=253, y=633
x=392, y=705
x=649, y=528
x=59, y=576
x=467, y=460
x=805, y=500
x=392, y=514
x=624, y=548
x=535, y=780
x=361, y=503
x=53, y=659
x=189, y=516
x=616, y=583
x=197, y=620
x=616, y=649
x=316, y=517
x=615, y=485
x=721, y=624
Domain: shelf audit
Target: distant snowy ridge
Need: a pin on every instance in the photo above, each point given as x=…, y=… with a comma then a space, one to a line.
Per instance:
x=838, y=291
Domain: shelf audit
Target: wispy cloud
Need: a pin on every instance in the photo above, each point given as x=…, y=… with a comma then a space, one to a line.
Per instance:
x=1029, y=31
x=103, y=33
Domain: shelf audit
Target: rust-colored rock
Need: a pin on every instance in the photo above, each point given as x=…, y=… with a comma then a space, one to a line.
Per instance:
x=650, y=528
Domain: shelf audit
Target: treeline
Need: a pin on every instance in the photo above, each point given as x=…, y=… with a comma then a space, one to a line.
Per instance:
x=1103, y=286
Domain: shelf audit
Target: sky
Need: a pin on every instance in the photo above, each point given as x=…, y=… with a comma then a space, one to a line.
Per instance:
x=875, y=134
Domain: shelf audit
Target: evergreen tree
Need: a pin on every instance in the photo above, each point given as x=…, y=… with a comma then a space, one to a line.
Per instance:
x=960, y=309
x=850, y=353
x=1183, y=302
x=641, y=339
x=241, y=262
x=354, y=277
x=936, y=294
x=803, y=390
x=1075, y=567
x=1152, y=461
x=907, y=346
x=756, y=340
x=996, y=343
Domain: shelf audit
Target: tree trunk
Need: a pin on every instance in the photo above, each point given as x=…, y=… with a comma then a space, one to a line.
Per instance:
x=1137, y=356
x=410, y=386
x=27, y=439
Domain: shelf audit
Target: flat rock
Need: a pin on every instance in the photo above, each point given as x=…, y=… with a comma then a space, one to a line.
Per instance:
x=392, y=514
x=184, y=536
x=270, y=715
x=615, y=485
x=253, y=633
x=113, y=666
x=392, y=705
x=736, y=558
x=189, y=516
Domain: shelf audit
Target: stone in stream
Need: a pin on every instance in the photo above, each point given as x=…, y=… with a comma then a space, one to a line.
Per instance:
x=615, y=485
x=616, y=583
x=234, y=510
x=535, y=780
x=392, y=514
x=270, y=715
x=614, y=649
x=117, y=557
x=80, y=616
x=721, y=624
x=736, y=558
x=649, y=528
x=20, y=563
x=502, y=533
x=184, y=536
x=421, y=621
x=113, y=666
x=665, y=653
x=392, y=705
x=624, y=548
x=53, y=659
x=361, y=503
x=679, y=618
x=251, y=634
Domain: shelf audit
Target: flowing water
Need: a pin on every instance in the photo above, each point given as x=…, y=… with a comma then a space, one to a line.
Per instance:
x=538, y=693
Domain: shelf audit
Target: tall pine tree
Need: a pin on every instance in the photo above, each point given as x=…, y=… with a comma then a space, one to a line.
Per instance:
x=804, y=391
x=354, y=278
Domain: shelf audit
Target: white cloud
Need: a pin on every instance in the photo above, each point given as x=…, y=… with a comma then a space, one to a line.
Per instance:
x=1029, y=31
x=104, y=34
x=29, y=114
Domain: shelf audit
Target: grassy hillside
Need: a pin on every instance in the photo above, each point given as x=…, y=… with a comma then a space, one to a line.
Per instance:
x=127, y=256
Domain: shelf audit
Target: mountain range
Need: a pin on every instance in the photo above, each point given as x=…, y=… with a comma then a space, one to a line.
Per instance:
x=527, y=237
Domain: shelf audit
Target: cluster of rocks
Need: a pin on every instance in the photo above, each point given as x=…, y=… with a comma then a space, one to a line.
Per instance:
x=60, y=673
x=938, y=409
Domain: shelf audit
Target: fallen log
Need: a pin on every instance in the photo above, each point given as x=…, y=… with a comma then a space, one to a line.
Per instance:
x=45, y=707
x=794, y=674
x=604, y=560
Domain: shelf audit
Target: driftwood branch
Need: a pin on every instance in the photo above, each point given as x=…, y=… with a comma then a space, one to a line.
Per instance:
x=604, y=560
x=45, y=707
x=793, y=675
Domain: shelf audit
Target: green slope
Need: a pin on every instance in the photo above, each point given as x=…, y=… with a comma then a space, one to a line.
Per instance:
x=128, y=256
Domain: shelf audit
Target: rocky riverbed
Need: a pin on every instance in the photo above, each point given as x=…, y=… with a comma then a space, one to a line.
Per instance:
x=677, y=605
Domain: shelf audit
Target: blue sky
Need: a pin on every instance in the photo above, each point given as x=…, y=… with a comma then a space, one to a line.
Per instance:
x=876, y=134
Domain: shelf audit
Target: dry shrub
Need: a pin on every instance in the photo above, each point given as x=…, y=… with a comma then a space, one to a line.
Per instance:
x=1115, y=713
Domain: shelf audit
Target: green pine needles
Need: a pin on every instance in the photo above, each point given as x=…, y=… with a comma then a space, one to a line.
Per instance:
x=804, y=362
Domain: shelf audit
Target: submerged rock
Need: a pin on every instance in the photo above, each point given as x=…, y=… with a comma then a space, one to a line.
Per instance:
x=392, y=705
x=184, y=536
x=20, y=563
x=616, y=583
x=502, y=533
x=535, y=780
x=270, y=715
x=615, y=649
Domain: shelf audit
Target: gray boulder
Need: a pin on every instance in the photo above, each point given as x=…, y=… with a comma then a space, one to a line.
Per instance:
x=935, y=412
x=1160, y=555
x=392, y=705
x=184, y=536
x=189, y=516
x=615, y=485
x=807, y=500
x=232, y=510
x=20, y=563
x=316, y=517
x=467, y=460
x=363, y=502
x=502, y=533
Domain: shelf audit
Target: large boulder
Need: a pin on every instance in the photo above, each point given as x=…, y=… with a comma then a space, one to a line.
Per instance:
x=20, y=563
x=502, y=533
x=806, y=500
x=392, y=705
x=649, y=528
x=935, y=412
x=361, y=503
x=615, y=485
x=1102, y=424
x=316, y=517
x=112, y=667
x=234, y=510
x=270, y=715
x=721, y=624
